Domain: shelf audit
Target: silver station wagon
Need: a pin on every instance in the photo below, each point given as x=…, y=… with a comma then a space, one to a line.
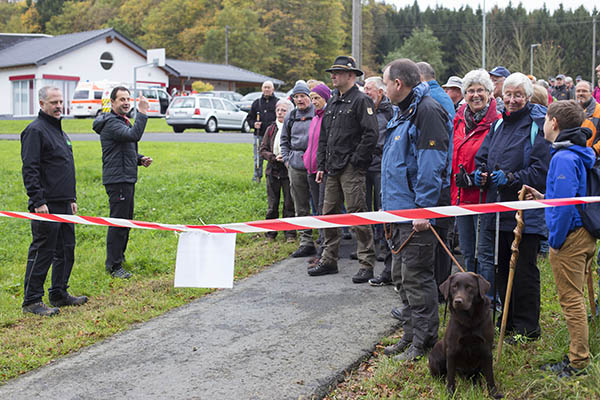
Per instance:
x=209, y=113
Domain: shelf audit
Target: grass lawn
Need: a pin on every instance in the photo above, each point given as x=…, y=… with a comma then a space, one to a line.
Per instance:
x=194, y=182
x=187, y=183
x=84, y=125
x=517, y=374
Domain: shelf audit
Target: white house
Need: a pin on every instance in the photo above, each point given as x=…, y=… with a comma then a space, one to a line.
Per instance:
x=65, y=60
x=29, y=62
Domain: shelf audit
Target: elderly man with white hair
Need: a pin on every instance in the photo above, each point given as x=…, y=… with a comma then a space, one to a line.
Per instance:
x=261, y=115
x=375, y=89
x=514, y=153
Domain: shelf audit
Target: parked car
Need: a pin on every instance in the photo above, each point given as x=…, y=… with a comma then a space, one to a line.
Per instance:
x=226, y=94
x=209, y=113
x=246, y=102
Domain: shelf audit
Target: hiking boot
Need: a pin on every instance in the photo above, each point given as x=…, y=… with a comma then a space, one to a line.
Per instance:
x=353, y=256
x=413, y=353
x=290, y=239
x=380, y=280
x=397, y=347
x=68, y=300
x=363, y=275
x=40, y=309
x=556, y=367
x=313, y=261
x=323, y=268
x=304, y=251
x=120, y=273
x=570, y=371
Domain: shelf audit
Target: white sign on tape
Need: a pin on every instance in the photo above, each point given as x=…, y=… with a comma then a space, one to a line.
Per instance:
x=205, y=260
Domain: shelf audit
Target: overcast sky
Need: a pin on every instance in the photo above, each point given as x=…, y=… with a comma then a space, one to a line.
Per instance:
x=529, y=5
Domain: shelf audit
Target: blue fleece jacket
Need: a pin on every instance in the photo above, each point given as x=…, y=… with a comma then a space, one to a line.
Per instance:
x=567, y=178
x=439, y=95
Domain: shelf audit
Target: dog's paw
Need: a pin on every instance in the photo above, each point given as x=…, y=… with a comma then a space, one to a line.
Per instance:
x=496, y=394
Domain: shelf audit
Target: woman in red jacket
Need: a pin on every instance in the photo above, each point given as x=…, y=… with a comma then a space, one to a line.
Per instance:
x=471, y=124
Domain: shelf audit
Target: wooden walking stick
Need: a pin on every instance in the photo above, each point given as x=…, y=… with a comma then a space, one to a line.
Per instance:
x=590, y=283
x=511, y=272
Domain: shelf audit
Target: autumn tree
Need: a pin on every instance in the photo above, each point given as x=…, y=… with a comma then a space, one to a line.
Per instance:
x=422, y=45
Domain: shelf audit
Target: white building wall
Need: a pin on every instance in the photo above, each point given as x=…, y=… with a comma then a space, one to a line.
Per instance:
x=83, y=63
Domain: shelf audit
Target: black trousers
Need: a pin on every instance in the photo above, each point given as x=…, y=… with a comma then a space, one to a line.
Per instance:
x=53, y=244
x=524, y=309
x=276, y=186
x=120, y=200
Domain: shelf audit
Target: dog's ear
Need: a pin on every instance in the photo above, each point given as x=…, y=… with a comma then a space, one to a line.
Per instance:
x=484, y=286
x=445, y=287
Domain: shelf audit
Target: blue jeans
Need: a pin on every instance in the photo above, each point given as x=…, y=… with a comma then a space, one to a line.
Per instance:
x=467, y=227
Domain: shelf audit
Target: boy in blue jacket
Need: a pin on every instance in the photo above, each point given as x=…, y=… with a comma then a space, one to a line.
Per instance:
x=571, y=246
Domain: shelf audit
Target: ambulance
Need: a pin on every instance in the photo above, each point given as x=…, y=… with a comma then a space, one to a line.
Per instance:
x=87, y=99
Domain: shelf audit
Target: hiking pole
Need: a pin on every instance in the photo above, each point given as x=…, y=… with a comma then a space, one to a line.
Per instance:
x=454, y=227
x=514, y=247
x=496, y=248
x=476, y=261
x=590, y=283
x=256, y=145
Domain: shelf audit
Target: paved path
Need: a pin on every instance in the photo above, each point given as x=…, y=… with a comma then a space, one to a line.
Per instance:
x=198, y=137
x=277, y=335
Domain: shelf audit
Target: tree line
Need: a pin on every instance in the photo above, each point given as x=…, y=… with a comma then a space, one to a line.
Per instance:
x=294, y=39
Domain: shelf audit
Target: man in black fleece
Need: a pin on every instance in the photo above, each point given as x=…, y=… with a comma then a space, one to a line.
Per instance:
x=120, y=160
x=49, y=178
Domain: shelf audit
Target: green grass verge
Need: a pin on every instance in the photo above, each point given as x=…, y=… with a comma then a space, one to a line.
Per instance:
x=517, y=374
x=84, y=125
x=187, y=183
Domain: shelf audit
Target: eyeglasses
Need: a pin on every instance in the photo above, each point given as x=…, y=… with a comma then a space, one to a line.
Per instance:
x=479, y=91
x=516, y=96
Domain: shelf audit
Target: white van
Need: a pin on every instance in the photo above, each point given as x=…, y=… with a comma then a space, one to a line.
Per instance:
x=87, y=99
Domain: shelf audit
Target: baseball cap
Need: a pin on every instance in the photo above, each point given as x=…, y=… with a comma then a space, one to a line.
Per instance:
x=500, y=71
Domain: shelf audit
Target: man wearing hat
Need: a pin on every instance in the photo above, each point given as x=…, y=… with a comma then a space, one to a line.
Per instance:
x=498, y=75
x=294, y=142
x=346, y=144
x=560, y=91
x=453, y=89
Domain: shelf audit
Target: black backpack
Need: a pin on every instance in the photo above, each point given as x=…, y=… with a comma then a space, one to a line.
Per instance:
x=590, y=212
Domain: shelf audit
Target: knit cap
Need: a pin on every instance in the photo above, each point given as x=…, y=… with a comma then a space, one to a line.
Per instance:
x=300, y=87
x=323, y=91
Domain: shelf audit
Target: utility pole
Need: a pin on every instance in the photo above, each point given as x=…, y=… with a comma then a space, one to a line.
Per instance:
x=226, y=44
x=483, y=38
x=593, y=51
x=531, y=47
x=356, y=32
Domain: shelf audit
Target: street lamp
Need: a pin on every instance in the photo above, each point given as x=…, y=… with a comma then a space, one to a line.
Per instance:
x=531, y=57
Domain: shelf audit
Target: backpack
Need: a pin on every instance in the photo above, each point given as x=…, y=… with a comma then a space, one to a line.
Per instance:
x=590, y=213
x=292, y=119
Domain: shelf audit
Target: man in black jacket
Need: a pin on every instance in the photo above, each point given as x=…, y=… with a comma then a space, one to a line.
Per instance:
x=120, y=160
x=346, y=144
x=261, y=115
x=49, y=178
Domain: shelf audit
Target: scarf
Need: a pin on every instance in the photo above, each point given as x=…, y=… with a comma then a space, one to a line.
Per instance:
x=276, y=142
x=473, y=119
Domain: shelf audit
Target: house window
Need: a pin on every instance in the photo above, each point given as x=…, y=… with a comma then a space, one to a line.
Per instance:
x=106, y=60
x=23, y=97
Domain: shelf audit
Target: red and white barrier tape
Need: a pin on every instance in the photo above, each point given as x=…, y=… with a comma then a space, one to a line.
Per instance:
x=321, y=221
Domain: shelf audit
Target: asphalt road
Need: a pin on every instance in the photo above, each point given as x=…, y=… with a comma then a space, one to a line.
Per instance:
x=279, y=334
x=199, y=137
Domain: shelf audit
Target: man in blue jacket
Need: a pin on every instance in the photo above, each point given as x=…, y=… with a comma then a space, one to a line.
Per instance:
x=571, y=246
x=415, y=168
x=120, y=160
x=435, y=90
x=49, y=178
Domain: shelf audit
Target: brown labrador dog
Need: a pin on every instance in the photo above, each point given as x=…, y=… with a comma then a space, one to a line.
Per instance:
x=466, y=347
